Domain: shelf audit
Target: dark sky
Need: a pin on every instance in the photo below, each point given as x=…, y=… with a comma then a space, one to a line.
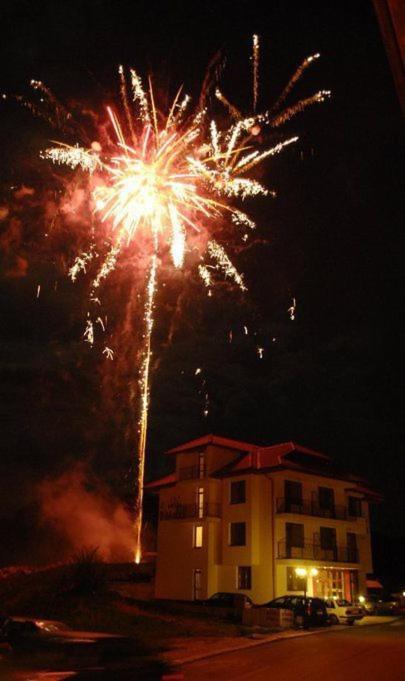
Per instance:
x=331, y=379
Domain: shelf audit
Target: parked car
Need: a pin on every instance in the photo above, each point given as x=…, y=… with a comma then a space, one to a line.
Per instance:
x=228, y=600
x=307, y=611
x=341, y=611
x=373, y=605
x=387, y=606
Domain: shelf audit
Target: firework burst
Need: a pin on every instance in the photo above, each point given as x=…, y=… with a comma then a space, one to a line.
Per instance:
x=165, y=177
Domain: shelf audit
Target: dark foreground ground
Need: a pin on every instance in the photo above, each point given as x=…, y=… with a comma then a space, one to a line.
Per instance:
x=369, y=653
x=375, y=653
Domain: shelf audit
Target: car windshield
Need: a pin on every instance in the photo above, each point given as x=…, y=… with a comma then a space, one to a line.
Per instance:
x=342, y=602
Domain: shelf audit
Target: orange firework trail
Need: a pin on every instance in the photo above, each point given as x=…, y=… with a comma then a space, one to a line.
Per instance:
x=165, y=177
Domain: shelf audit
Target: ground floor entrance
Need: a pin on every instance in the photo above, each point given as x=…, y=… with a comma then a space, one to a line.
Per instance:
x=336, y=583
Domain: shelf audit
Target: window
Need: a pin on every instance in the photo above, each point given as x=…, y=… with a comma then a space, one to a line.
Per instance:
x=351, y=547
x=200, y=502
x=354, y=507
x=279, y=602
x=244, y=577
x=198, y=536
x=238, y=492
x=326, y=497
x=294, y=534
x=328, y=538
x=237, y=534
x=294, y=581
x=201, y=465
x=293, y=491
x=197, y=584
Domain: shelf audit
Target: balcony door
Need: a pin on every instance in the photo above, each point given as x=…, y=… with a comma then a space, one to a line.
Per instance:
x=326, y=500
x=351, y=547
x=294, y=534
x=328, y=543
x=293, y=496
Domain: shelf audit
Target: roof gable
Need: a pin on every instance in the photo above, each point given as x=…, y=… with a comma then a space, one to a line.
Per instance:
x=213, y=440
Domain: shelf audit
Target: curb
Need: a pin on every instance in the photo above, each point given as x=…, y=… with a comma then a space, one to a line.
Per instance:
x=269, y=639
x=250, y=644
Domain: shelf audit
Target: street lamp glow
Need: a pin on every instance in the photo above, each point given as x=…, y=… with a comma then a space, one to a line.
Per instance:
x=303, y=572
x=300, y=572
x=362, y=599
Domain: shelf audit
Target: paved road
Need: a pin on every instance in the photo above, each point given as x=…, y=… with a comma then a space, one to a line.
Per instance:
x=374, y=653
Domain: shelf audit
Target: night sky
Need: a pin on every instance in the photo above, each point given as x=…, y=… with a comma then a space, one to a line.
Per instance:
x=330, y=379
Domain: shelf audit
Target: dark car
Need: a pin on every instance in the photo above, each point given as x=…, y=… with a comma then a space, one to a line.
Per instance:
x=307, y=611
x=228, y=600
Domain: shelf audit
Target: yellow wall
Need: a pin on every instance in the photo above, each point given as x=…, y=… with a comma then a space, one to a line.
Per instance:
x=264, y=529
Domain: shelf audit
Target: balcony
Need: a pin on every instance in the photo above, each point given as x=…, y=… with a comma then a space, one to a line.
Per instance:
x=176, y=511
x=309, y=507
x=191, y=472
x=335, y=554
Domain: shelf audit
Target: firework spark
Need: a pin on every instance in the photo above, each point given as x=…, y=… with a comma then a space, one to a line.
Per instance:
x=163, y=178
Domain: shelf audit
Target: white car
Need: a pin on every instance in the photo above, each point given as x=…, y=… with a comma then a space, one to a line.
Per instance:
x=341, y=611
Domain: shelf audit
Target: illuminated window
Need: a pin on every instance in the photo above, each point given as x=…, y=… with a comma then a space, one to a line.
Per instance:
x=244, y=577
x=237, y=534
x=238, y=492
x=198, y=536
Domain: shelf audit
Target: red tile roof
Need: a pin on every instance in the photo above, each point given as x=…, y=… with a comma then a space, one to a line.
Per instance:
x=362, y=488
x=274, y=454
x=254, y=458
x=268, y=457
x=162, y=482
x=213, y=440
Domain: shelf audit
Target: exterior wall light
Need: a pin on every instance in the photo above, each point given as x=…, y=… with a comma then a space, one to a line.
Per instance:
x=301, y=572
x=304, y=572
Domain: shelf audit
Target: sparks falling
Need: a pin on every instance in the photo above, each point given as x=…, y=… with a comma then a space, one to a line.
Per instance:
x=165, y=177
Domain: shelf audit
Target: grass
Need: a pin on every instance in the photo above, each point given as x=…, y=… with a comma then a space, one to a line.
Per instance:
x=49, y=594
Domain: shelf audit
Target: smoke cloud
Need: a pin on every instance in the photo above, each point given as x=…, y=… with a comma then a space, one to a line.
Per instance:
x=86, y=514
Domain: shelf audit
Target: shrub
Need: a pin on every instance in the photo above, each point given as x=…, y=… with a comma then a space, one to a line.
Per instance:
x=88, y=573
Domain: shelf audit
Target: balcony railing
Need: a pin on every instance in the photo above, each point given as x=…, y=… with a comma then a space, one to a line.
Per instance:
x=310, y=507
x=180, y=511
x=335, y=554
x=191, y=472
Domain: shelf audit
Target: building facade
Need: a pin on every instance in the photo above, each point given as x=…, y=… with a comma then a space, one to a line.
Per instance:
x=237, y=517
